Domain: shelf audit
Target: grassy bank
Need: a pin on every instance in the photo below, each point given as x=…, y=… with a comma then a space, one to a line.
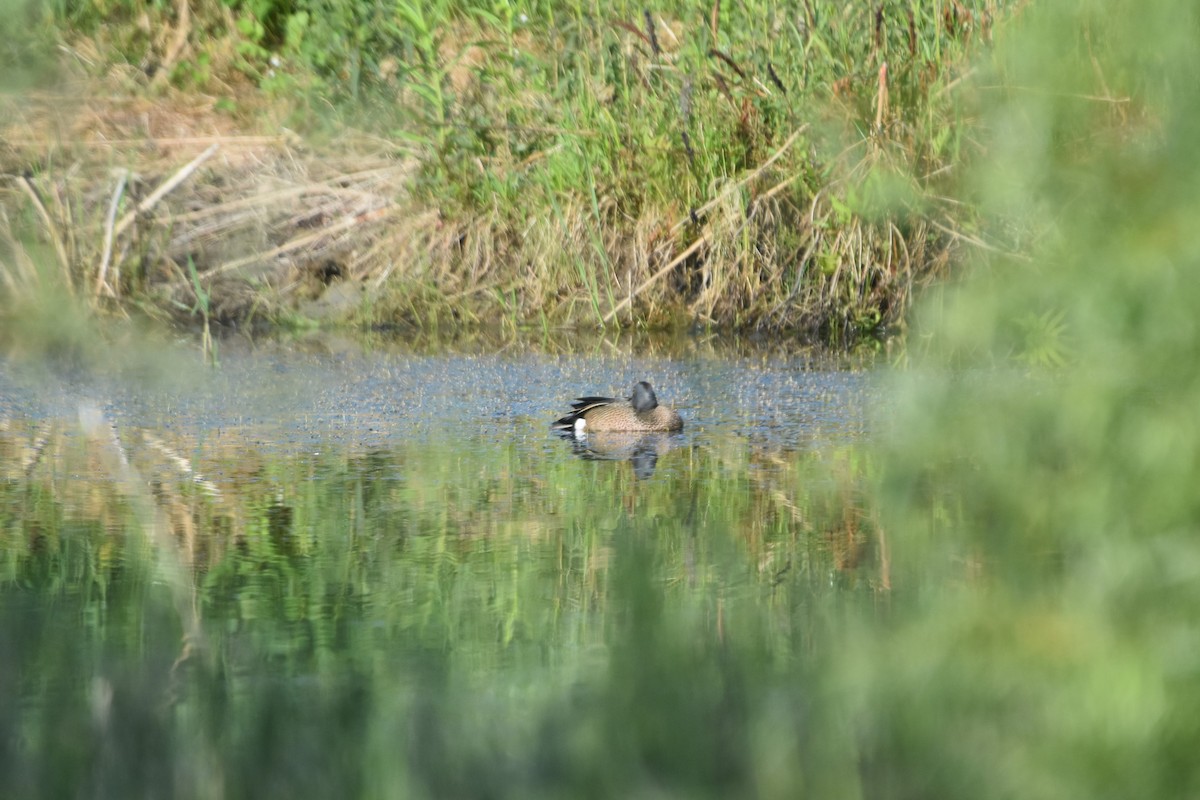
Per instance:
x=559, y=164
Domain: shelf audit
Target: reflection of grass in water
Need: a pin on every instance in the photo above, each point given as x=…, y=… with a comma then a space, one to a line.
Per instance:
x=443, y=619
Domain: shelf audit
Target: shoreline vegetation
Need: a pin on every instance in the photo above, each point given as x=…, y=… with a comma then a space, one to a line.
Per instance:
x=537, y=166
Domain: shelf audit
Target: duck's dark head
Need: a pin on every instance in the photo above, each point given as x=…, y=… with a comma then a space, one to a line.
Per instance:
x=643, y=398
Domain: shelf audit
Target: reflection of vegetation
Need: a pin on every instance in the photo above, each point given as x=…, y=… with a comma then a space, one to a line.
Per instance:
x=432, y=617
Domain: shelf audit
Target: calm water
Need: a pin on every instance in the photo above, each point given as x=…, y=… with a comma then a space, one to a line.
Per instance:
x=377, y=573
x=314, y=395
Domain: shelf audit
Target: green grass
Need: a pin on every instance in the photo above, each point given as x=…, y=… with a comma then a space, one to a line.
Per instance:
x=569, y=153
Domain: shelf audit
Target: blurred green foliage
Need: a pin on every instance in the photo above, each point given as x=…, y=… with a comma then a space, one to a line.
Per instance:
x=27, y=39
x=1062, y=663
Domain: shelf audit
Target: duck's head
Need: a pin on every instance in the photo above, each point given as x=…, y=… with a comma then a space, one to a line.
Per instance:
x=643, y=398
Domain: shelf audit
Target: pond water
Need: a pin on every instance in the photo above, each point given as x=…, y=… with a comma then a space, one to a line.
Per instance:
x=331, y=390
x=327, y=569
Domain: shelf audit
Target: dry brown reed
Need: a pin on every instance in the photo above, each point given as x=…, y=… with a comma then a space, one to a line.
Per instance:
x=169, y=206
x=262, y=220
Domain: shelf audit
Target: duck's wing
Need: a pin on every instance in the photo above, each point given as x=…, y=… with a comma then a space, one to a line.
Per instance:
x=583, y=405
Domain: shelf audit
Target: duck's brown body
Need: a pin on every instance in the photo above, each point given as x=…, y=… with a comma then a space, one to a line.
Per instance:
x=638, y=413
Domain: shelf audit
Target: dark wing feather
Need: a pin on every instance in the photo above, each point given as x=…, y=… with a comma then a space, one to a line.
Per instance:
x=585, y=404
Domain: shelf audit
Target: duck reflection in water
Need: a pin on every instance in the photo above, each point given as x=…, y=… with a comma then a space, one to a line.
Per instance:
x=641, y=449
x=632, y=429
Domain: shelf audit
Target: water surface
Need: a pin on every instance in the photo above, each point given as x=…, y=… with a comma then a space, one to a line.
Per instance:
x=332, y=390
x=350, y=571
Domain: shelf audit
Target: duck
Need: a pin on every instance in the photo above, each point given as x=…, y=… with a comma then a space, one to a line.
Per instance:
x=638, y=413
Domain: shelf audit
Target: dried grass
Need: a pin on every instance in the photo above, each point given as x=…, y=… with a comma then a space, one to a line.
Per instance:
x=133, y=195
x=246, y=211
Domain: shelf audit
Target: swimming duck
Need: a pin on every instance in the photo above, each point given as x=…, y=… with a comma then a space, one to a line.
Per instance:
x=638, y=412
